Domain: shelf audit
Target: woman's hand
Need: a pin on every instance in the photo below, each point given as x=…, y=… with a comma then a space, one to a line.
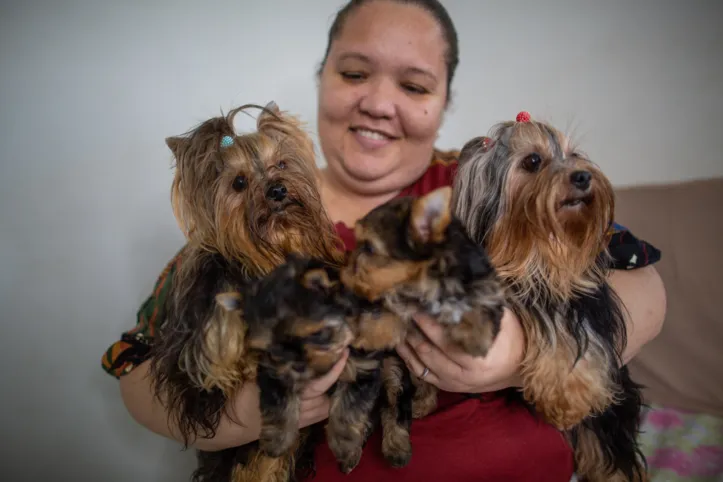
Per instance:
x=314, y=401
x=454, y=371
x=245, y=413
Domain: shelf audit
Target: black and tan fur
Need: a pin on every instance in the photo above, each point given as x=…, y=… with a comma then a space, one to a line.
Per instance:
x=299, y=319
x=297, y=329
x=413, y=256
x=543, y=212
x=243, y=208
x=355, y=396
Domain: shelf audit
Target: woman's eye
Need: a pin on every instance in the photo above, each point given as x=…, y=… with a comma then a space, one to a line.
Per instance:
x=415, y=89
x=281, y=165
x=532, y=163
x=239, y=183
x=353, y=75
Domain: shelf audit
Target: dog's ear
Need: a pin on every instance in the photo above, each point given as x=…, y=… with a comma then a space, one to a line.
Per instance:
x=269, y=114
x=480, y=144
x=431, y=214
x=177, y=145
x=273, y=108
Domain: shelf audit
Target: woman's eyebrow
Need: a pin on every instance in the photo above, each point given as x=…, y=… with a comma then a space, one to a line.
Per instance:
x=354, y=56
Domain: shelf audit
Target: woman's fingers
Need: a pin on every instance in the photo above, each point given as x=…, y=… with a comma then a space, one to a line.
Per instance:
x=432, y=330
x=431, y=356
x=415, y=365
x=313, y=411
x=437, y=339
x=322, y=384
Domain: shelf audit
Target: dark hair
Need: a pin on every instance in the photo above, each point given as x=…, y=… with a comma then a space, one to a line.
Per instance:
x=434, y=7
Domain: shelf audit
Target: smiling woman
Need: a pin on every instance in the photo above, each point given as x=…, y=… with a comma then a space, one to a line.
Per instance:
x=384, y=86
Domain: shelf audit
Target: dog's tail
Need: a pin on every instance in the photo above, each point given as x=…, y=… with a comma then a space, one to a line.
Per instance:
x=609, y=442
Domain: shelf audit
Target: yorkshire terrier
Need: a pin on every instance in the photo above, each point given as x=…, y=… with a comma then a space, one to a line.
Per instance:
x=543, y=212
x=414, y=256
x=298, y=328
x=299, y=320
x=244, y=202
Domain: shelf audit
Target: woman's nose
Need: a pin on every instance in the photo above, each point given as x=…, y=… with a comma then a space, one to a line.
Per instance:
x=379, y=99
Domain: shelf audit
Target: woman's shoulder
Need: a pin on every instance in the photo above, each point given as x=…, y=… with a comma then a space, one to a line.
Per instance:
x=439, y=173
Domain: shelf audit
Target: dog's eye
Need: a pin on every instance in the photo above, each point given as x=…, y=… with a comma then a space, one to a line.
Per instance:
x=366, y=247
x=532, y=163
x=239, y=183
x=321, y=337
x=281, y=165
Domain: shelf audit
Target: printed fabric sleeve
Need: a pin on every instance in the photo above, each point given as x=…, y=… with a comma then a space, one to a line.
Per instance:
x=134, y=346
x=629, y=252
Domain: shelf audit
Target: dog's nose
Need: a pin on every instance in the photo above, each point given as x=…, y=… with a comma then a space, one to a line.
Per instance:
x=277, y=192
x=581, y=180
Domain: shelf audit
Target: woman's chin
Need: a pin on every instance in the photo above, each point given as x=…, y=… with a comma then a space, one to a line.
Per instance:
x=368, y=169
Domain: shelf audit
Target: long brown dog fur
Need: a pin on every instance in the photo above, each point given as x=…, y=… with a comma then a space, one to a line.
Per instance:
x=243, y=206
x=543, y=211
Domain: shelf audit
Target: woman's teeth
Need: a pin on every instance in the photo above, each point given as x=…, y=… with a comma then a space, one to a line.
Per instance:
x=372, y=135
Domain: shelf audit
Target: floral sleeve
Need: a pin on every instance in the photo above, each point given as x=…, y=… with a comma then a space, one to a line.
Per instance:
x=134, y=345
x=629, y=252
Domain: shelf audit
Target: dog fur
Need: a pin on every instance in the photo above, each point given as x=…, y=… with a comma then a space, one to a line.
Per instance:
x=543, y=212
x=414, y=256
x=243, y=206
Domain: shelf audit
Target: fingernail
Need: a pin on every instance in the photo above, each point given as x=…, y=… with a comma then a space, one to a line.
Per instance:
x=414, y=339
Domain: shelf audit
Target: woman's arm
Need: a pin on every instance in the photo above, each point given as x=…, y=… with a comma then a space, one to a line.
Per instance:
x=641, y=291
x=127, y=360
x=240, y=424
x=643, y=295
x=148, y=411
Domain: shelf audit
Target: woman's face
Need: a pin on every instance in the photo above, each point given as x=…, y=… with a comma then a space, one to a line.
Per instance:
x=382, y=95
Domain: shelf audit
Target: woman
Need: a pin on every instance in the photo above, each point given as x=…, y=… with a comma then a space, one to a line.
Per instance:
x=384, y=85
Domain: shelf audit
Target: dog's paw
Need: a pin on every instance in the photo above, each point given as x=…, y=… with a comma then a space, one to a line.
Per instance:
x=424, y=401
x=276, y=443
x=349, y=460
x=475, y=333
x=396, y=447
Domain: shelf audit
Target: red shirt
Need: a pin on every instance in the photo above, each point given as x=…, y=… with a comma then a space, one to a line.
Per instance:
x=484, y=439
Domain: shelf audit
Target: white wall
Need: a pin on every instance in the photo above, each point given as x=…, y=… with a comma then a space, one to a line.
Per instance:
x=90, y=88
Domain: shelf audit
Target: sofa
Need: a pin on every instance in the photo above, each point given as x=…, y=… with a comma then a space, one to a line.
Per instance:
x=682, y=369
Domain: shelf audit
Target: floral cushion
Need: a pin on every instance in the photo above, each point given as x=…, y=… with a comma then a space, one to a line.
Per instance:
x=682, y=446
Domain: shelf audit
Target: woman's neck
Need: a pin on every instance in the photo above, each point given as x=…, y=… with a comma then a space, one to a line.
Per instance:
x=343, y=204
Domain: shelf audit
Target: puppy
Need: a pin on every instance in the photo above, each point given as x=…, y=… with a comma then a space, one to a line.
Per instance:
x=543, y=212
x=414, y=256
x=298, y=330
x=299, y=319
x=244, y=202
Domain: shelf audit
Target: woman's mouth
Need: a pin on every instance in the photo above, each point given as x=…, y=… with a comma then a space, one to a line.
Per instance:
x=370, y=139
